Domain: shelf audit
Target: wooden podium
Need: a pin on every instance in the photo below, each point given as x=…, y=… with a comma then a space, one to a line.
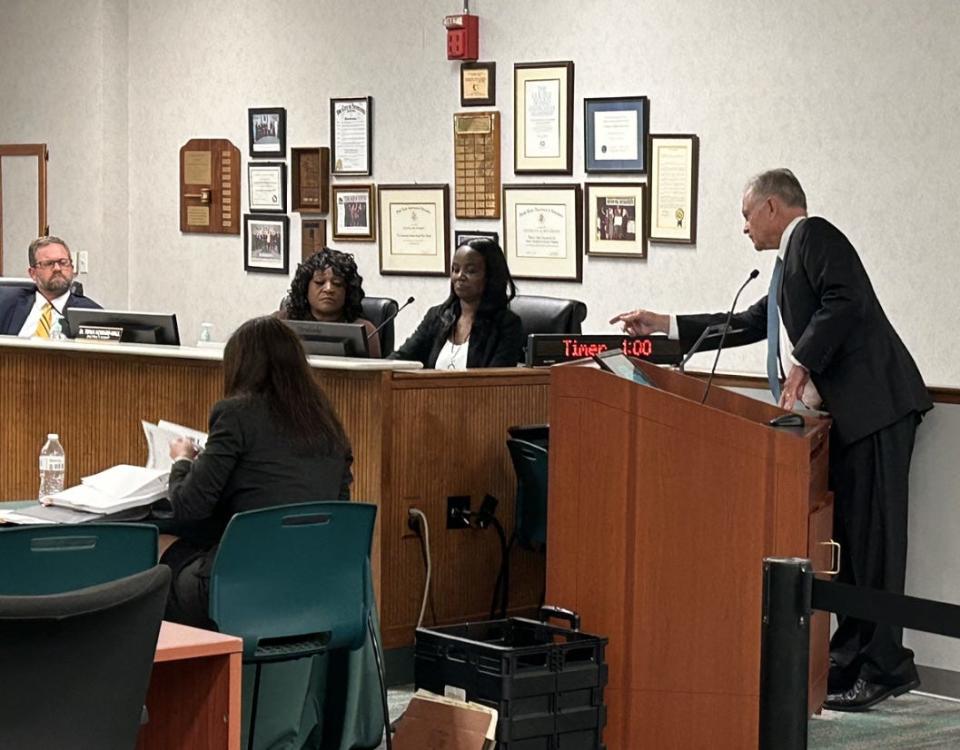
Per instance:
x=661, y=511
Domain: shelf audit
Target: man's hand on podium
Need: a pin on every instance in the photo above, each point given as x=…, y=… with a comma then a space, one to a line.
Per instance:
x=642, y=322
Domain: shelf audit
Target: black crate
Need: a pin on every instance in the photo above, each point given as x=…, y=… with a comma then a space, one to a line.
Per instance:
x=545, y=681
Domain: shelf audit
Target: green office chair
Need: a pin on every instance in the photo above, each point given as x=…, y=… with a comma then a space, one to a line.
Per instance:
x=294, y=581
x=53, y=559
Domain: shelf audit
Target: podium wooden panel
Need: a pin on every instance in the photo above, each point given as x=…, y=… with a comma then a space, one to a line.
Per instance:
x=418, y=437
x=660, y=513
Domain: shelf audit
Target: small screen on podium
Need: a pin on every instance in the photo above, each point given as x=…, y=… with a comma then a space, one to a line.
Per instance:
x=619, y=364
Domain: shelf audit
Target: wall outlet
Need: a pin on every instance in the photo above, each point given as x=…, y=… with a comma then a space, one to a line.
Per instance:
x=82, y=261
x=457, y=504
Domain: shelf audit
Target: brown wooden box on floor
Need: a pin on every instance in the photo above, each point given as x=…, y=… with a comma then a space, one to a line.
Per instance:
x=661, y=511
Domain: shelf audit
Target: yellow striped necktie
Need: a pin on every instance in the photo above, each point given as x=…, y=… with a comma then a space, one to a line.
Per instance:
x=46, y=322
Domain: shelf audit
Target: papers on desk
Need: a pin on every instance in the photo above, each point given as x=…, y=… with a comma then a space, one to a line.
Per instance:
x=118, y=488
x=158, y=438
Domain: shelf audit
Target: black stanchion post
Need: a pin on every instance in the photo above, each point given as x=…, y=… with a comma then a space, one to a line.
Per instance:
x=785, y=653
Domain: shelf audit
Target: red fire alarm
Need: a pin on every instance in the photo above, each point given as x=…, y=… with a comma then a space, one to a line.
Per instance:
x=463, y=37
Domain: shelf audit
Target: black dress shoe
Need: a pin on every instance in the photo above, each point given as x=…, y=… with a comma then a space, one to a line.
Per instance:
x=865, y=694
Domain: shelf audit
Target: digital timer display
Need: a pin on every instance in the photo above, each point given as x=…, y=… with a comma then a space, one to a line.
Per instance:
x=551, y=348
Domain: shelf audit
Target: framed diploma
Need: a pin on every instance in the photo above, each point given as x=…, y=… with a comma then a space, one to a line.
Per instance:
x=616, y=219
x=313, y=237
x=350, y=135
x=478, y=84
x=267, y=186
x=310, y=179
x=267, y=128
x=266, y=246
x=674, y=164
x=543, y=118
x=414, y=229
x=615, y=134
x=353, y=213
x=541, y=232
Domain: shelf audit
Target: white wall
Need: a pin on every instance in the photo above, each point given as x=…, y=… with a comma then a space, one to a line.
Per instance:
x=858, y=98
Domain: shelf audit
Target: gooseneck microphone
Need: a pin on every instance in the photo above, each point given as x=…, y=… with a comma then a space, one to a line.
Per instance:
x=376, y=330
x=726, y=327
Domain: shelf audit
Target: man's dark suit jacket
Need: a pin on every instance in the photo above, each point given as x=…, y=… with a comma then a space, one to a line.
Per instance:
x=495, y=341
x=16, y=303
x=247, y=464
x=864, y=373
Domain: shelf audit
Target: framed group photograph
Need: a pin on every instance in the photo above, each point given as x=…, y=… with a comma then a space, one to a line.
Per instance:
x=615, y=134
x=313, y=237
x=462, y=236
x=353, y=213
x=414, y=229
x=616, y=219
x=543, y=118
x=267, y=186
x=266, y=247
x=267, y=129
x=351, y=135
x=674, y=164
x=478, y=84
x=542, y=227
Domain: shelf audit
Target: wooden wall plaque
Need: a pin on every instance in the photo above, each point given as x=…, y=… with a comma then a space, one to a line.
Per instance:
x=476, y=137
x=310, y=179
x=210, y=186
x=313, y=237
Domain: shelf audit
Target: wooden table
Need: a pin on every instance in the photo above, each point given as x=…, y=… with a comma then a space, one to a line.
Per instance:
x=194, y=695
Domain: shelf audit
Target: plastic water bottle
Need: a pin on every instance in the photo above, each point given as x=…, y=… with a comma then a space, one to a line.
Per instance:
x=56, y=331
x=206, y=333
x=53, y=465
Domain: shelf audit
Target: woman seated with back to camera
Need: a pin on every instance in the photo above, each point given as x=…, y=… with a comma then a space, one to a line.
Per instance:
x=473, y=327
x=328, y=287
x=274, y=439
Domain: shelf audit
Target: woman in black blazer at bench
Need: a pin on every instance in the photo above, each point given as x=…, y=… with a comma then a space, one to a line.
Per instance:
x=274, y=439
x=473, y=327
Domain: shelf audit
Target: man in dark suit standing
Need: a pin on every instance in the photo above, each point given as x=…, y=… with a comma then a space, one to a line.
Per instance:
x=825, y=328
x=34, y=311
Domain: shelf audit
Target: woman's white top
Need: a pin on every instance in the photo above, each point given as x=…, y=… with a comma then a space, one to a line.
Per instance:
x=453, y=356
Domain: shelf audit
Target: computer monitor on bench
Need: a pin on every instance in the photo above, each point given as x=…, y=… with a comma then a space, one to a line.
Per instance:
x=137, y=327
x=331, y=339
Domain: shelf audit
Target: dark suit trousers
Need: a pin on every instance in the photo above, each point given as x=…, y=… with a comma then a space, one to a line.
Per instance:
x=870, y=482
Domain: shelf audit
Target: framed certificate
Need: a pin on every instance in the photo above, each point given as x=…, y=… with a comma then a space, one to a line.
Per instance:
x=267, y=186
x=615, y=134
x=478, y=84
x=267, y=128
x=541, y=231
x=543, y=118
x=616, y=219
x=353, y=213
x=414, y=229
x=266, y=246
x=350, y=136
x=674, y=163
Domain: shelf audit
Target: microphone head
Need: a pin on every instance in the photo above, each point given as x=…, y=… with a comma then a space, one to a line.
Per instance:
x=754, y=273
x=409, y=300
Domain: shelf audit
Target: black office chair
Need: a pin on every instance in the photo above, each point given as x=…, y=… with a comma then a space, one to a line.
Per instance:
x=377, y=310
x=14, y=282
x=548, y=315
x=538, y=434
x=76, y=665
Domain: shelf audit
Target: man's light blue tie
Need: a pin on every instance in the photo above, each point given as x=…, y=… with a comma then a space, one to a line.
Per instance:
x=773, y=331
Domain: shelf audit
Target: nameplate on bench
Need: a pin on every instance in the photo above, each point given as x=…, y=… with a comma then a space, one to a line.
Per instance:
x=99, y=333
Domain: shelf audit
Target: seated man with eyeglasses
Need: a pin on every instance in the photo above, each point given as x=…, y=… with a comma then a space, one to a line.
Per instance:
x=34, y=311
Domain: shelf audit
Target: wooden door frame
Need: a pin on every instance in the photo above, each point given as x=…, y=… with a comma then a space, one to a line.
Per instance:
x=39, y=150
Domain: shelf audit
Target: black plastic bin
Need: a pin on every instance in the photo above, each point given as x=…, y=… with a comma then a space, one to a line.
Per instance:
x=545, y=681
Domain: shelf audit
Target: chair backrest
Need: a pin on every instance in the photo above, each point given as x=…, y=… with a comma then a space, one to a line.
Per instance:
x=76, y=665
x=548, y=314
x=377, y=310
x=538, y=434
x=52, y=559
x=294, y=570
x=530, y=466
x=14, y=282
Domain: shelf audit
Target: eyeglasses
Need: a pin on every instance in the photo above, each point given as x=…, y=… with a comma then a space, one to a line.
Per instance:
x=46, y=265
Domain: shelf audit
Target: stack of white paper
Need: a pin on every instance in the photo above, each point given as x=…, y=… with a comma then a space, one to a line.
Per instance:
x=158, y=438
x=118, y=488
